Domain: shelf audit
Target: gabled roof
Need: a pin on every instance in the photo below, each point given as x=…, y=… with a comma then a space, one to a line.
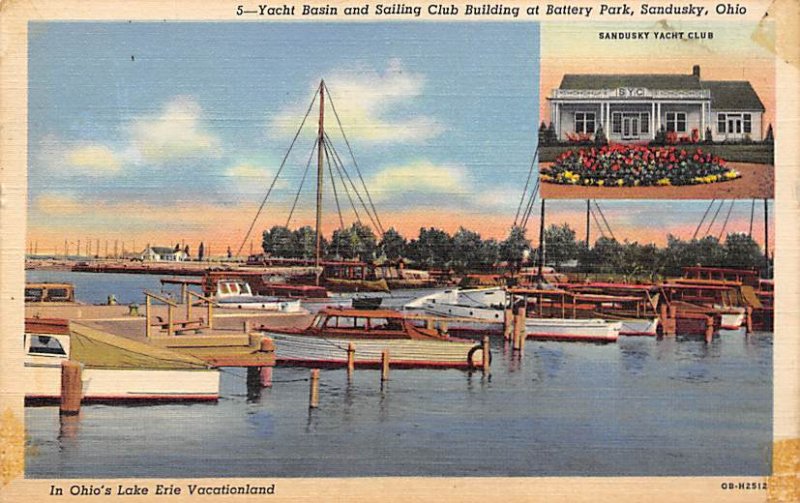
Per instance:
x=648, y=80
x=732, y=95
x=162, y=250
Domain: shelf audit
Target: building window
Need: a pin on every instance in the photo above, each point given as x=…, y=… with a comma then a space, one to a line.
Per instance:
x=584, y=122
x=747, y=125
x=676, y=122
x=721, y=121
x=644, y=122
x=616, y=123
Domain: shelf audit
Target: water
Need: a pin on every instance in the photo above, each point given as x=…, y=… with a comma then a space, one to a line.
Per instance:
x=640, y=407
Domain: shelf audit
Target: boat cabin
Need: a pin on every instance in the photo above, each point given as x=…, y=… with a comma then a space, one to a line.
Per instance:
x=368, y=324
x=49, y=292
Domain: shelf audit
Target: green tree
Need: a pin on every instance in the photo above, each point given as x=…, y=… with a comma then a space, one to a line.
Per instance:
x=514, y=248
x=433, y=249
x=304, y=243
x=392, y=245
x=357, y=241
x=489, y=254
x=560, y=244
x=742, y=252
x=466, y=250
x=277, y=242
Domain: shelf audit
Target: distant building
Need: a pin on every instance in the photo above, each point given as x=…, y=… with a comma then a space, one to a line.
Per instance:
x=632, y=108
x=162, y=254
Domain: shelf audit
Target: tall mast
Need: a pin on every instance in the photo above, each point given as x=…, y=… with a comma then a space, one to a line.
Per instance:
x=320, y=173
x=588, y=211
x=540, y=276
x=766, y=240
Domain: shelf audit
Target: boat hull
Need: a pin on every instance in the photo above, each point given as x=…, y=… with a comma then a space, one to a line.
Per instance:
x=596, y=330
x=43, y=380
x=303, y=350
x=279, y=305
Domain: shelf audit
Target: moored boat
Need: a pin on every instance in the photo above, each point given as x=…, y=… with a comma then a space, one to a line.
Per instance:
x=325, y=342
x=237, y=294
x=115, y=368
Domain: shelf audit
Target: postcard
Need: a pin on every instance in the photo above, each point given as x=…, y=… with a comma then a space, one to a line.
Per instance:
x=513, y=251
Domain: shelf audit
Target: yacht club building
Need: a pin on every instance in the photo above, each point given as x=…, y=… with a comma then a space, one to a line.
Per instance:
x=632, y=108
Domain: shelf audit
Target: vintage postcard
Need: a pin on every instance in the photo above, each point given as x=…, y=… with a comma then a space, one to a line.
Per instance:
x=308, y=251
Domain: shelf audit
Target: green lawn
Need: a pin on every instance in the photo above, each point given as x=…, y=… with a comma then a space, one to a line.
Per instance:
x=755, y=153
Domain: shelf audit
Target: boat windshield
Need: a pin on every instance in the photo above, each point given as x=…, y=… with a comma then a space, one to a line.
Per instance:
x=45, y=344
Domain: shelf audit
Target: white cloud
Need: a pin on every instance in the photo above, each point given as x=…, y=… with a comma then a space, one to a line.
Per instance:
x=97, y=158
x=177, y=131
x=372, y=106
x=421, y=177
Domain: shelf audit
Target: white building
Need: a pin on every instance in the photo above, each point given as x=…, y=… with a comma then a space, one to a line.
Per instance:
x=632, y=108
x=162, y=254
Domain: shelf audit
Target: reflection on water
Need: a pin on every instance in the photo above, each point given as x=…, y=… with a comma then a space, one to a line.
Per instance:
x=643, y=406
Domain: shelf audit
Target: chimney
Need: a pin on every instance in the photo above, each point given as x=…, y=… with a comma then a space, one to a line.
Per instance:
x=696, y=71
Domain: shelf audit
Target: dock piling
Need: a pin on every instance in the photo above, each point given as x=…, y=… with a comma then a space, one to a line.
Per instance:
x=313, y=397
x=385, y=365
x=351, y=359
x=71, y=388
x=265, y=373
x=748, y=320
x=508, y=323
x=519, y=329
x=709, y=328
x=485, y=346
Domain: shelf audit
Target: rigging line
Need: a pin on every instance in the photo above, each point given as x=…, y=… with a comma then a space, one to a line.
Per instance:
x=333, y=185
x=529, y=208
x=341, y=129
x=527, y=182
x=752, y=214
x=603, y=216
x=302, y=182
x=597, y=222
x=372, y=218
x=694, y=236
x=275, y=179
x=358, y=194
x=725, y=224
x=344, y=183
x=708, y=230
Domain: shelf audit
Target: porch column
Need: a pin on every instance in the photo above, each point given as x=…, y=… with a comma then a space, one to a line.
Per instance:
x=702, y=119
x=658, y=116
x=608, y=121
x=653, y=120
x=557, y=122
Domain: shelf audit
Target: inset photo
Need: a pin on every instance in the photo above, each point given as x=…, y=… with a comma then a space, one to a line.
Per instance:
x=656, y=112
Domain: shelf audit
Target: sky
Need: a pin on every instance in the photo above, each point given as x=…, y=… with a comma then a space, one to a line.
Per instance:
x=173, y=132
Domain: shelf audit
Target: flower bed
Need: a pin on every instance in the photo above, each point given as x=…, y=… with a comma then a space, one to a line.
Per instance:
x=634, y=166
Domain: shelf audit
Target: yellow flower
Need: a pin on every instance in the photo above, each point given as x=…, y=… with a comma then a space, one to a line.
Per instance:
x=664, y=181
x=601, y=182
x=620, y=182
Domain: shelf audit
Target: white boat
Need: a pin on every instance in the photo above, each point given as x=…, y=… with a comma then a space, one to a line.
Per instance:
x=325, y=342
x=590, y=329
x=732, y=317
x=237, y=294
x=485, y=307
x=639, y=326
x=114, y=368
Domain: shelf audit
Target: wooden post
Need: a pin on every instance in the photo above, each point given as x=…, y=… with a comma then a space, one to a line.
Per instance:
x=71, y=387
x=210, y=313
x=147, y=316
x=385, y=365
x=246, y=326
x=265, y=377
x=485, y=354
x=429, y=323
x=170, y=329
x=709, y=328
x=519, y=329
x=313, y=397
x=508, y=323
x=351, y=359
x=748, y=320
x=443, y=327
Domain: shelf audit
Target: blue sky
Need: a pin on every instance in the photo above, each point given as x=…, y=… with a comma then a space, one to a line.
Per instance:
x=440, y=116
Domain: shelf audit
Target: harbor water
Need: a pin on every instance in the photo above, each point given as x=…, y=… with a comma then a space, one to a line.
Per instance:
x=641, y=407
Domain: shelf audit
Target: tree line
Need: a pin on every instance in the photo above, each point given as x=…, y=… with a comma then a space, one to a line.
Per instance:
x=466, y=251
